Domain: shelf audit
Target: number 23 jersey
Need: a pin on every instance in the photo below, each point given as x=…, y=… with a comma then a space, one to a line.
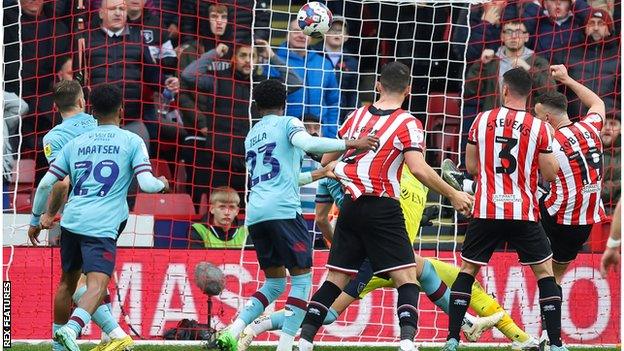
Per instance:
x=273, y=166
x=100, y=164
x=574, y=198
x=508, y=145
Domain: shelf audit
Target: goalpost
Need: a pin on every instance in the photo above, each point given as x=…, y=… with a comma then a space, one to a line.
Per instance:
x=154, y=286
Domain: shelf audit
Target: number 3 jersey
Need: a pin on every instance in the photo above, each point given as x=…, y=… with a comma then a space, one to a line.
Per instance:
x=574, y=198
x=100, y=164
x=273, y=165
x=508, y=145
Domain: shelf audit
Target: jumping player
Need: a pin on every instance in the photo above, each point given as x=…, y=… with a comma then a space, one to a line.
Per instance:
x=274, y=149
x=100, y=165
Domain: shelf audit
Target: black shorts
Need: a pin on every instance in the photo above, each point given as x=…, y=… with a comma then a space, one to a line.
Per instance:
x=282, y=242
x=565, y=240
x=89, y=253
x=370, y=227
x=484, y=235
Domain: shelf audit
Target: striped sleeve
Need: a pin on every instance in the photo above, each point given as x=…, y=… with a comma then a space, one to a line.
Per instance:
x=411, y=136
x=294, y=126
x=545, y=139
x=594, y=119
x=60, y=168
x=140, y=157
x=473, y=134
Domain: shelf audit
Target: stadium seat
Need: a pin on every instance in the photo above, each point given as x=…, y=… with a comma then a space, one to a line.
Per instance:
x=443, y=127
x=161, y=168
x=23, y=202
x=26, y=169
x=165, y=205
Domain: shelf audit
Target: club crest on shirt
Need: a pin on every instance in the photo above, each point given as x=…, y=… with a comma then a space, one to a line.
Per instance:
x=148, y=36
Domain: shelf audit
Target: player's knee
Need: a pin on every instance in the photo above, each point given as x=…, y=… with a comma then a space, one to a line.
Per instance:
x=470, y=268
x=404, y=276
x=543, y=269
x=339, y=279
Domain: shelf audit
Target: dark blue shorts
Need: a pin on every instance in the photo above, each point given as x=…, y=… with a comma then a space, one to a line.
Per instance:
x=357, y=284
x=91, y=254
x=282, y=242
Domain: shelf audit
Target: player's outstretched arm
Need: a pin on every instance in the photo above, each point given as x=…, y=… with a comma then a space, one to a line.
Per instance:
x=461, y=201
x=592, y=101
x=611, y=256
x=325, y=172
x=41, y=197
x=320, y=145
x=151, y=184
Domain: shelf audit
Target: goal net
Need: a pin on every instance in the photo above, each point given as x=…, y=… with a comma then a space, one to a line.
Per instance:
x=195, y=139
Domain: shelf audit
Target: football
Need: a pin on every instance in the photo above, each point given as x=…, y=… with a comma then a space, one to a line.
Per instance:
x=209, y=278
x=314, y=18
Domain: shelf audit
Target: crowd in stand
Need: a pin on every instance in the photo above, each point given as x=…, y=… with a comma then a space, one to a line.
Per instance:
x=186, y=69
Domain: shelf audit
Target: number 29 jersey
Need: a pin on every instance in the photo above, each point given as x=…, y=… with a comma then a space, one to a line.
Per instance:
x=574, y=198
x=508, y=145
x=273, y=166
x=100, y=164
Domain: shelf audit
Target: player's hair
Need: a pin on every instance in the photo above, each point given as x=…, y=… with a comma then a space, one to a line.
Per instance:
x=395, y=77
x=519, y=81
x=66, y=94
x=218, y=8
x=106, y=99
x=224, y=194
x=553, y=100
x=270, y=94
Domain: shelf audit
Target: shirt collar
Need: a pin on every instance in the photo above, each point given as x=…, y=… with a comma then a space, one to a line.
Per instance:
x=110, y=33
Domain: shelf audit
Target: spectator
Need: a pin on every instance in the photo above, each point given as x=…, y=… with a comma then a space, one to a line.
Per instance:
x=203, y=35
x=597, y=63
x=64, y=68
x=29, y=70
x=612, y=161
x=484, y=79
x=14, y=109
x=220, y=228
x=557, y=27
x=116, y=54
x=485, y=27
x=345, y=64
x=218, y=120
x=320, y=95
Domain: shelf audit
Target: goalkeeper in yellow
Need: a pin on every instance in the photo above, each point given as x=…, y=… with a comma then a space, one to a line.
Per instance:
x=413, y=199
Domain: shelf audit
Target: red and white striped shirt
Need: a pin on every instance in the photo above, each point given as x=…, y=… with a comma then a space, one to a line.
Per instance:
x=575, y=195
x=508, y=146
x=378, y=172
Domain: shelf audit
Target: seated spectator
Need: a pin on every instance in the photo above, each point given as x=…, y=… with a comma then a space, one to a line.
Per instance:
x=218, y=120
x=64, y=68
x=611, y=162
x=116, y=54
x=320, y=95
x=597, y=63
x=345, y=64
x=203, y=31
x=220, y=228
x=557, y=27
x=484, y=78
x=29, y=69
x=485, y=27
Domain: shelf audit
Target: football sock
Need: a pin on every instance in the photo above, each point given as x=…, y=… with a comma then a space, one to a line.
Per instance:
x=460, y=299
x=55, y=345
x=78, y=320
x=434, y=287
x=269, y=292
x=317, y=310
x=102, y=316
x=550, y=306
x=276, y=321
x=296, y=304
x=407, y=310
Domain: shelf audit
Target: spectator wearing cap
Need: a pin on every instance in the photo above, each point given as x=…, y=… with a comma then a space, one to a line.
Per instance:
x=596, y=64
x=485, y=27
x=611, y=161
x=484, y=78
x=557, y=26
x=346, y=65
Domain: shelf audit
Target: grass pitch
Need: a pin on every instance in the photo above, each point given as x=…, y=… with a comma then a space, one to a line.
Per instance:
x=47, y=347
